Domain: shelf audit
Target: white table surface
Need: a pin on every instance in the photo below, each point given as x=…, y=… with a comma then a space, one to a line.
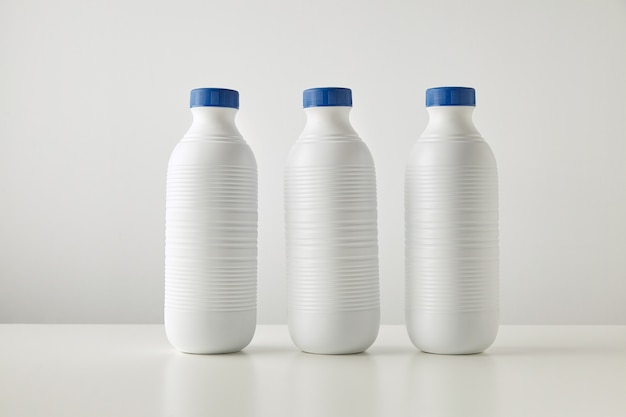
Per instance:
x=131, y=370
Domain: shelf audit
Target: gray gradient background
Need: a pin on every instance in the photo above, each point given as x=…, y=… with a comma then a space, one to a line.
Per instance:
x=94, y=95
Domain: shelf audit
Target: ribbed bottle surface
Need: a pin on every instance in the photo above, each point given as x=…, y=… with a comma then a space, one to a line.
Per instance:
x=332, y=249
x=211, y=238
x=331, y=230
x=451, y=239
x=211, y=231
x=451, y=218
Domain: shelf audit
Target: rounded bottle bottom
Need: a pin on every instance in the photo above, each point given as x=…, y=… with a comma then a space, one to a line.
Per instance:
x=209, y=332
x=452, y=333
x=337, y=333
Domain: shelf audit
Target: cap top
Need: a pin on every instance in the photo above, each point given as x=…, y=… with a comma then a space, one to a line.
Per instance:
x=215, y=97
x=450, y=96
x=327, y=96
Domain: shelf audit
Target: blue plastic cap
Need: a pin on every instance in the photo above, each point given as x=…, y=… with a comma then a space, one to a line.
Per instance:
x=327, y=96
x=450, y=96
x=216, y=97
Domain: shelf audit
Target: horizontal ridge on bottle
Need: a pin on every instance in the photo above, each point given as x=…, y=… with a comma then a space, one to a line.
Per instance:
x=333, y=268
x=211, y=238
x=452, y=238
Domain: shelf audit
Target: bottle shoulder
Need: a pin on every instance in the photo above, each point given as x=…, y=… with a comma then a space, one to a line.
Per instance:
x=346, y=151
x=196, y=151
x=451, y=151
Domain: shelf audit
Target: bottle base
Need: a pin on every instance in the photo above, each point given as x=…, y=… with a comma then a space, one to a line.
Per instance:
x=341, y=333
x=452, y=333
x=202, y=332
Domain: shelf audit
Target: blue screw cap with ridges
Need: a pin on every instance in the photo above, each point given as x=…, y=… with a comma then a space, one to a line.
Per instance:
x=450, y=96
x=327, y=96
x=216, y=97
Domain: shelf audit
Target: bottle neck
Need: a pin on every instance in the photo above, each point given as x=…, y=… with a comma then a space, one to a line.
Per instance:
x=210, y=122
x=450, y=122
x=327, y=123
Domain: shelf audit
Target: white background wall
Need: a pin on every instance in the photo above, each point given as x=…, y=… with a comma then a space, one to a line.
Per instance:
x=94, y=96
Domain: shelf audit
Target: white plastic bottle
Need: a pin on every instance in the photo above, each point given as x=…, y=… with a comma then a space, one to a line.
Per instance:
x=451, y=209
x=211, y=231
x=332, y=235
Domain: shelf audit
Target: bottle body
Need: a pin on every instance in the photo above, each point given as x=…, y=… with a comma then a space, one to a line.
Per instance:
x=332, y=237
x=211, y=237
x=451, y=213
